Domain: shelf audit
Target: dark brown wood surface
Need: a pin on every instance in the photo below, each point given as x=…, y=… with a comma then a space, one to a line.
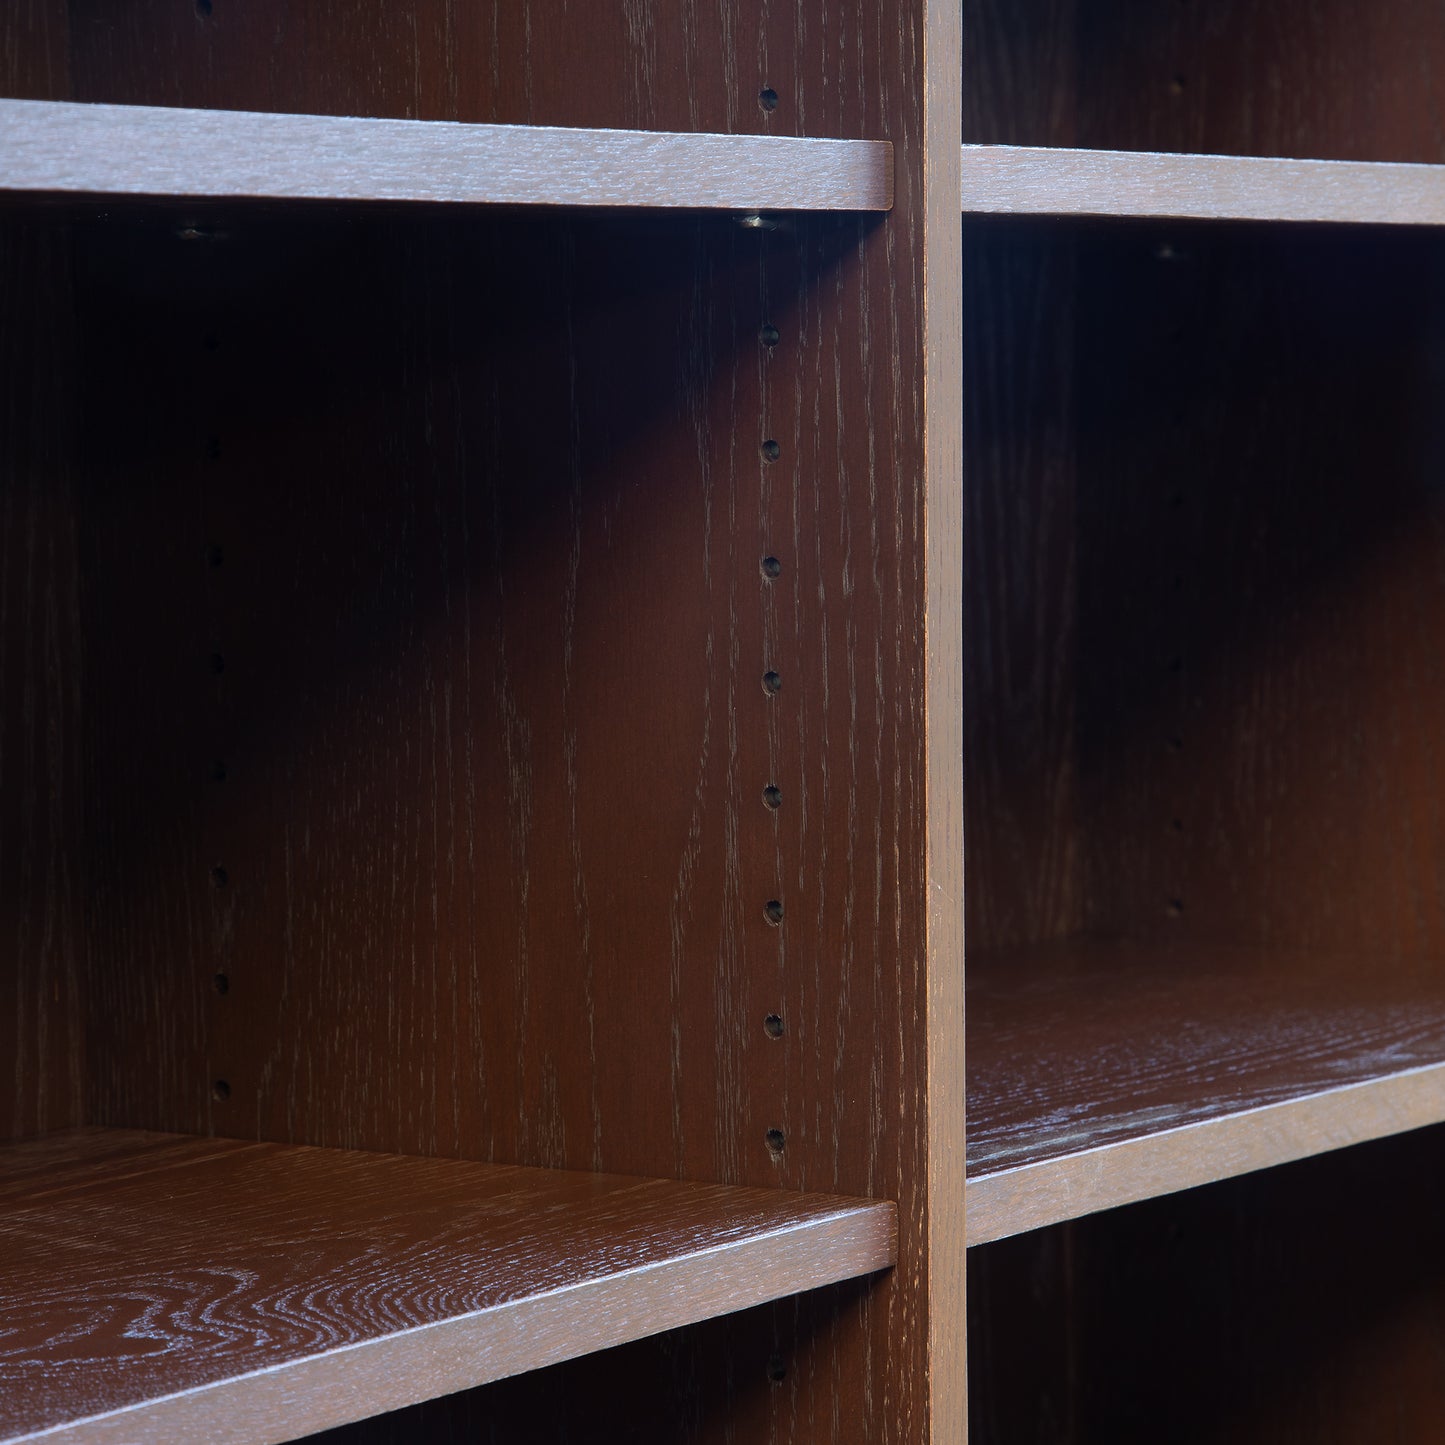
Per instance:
x=426, y=623
x=1049, y=181
x=159, y=1287
x=1340, y=80
x=1106, y=1072
x=55, y=148
x=41, y=886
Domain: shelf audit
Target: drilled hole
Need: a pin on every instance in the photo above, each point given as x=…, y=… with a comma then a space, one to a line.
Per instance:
x=776, y=1140
x=777, y=1369
x=211, y=341
x=1176, y=908
x=215, y=554
x=1176, y=85
x=218, y=771
x=219, y=877
x=220, y=1091
x=772, y=567
x=769, y=335
x=773, y=911
x=213, y=447
x=222, y=984
x=771, y=450
x=773, y=797
x=768, y=98
x=772, y=683
x=1177, y=824
x=773, y=1026
x=1176, y=744
x=203, y=9
x=218, y=663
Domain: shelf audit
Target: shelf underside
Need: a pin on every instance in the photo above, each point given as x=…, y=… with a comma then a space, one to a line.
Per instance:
x=55, y=148
x=164, y=1287
x=1100, y=1073
x=1044, y=181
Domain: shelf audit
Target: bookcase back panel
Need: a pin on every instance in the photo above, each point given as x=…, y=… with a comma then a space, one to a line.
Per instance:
x=1024, y=881
x=1341, y=80
x=1204, y=595
x=1300, y=1305
x=695, y=67
x=42, y=884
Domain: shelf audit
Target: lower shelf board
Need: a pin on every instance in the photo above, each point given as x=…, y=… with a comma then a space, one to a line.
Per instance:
x=163, y=1287
x=1101, y=1073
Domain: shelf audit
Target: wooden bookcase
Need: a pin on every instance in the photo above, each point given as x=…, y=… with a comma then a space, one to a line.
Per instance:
x=534, y=541
x=476, y=510
x=1202, y=621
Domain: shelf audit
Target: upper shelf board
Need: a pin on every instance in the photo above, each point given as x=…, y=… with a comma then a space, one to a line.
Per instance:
x=1105, y=1072
x=1042, y=181
x=57, y=148
x=158, y=1287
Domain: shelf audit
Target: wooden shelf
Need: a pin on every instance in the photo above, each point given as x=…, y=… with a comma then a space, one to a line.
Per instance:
x=1041, y=181
x=1104, y=1073
x=162, y=1287
x=57, y=148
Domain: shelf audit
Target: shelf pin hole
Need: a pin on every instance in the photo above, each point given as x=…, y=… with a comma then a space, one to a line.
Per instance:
x=771, y=567
x=768, y=335
x=219, y=877
x=773, y=797
x=771, y=450
x=768, y=98
x=772, y=683
x=773, y=1026
x=777, y=1369
x=773, y=911
x=776, y=1140
x=220, y=1091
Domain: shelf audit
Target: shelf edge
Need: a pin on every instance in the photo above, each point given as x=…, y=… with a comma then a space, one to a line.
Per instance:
x=1045, y=181
x=63, y=148
x=1052, y=1191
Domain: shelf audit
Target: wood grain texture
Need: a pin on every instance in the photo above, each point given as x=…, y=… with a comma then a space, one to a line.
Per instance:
x=159, y=1287
x=472, y=513
x=1342, y=80
x=1300, y=1305
x=1038, y=180
x=1025, y=877
x=56, y=148
x=1104, y=1072
x=41, y=809
x=943, y=725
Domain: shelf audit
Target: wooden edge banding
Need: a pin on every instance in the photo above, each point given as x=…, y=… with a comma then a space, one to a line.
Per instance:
x=54, y=147
x=1053, y=1190
x=943, y=721
x=1039, y=180
x=301, y=1398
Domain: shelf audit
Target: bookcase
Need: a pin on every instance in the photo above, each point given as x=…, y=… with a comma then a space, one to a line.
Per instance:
x=537, y=540
x=473, y=529
x=1202, y=614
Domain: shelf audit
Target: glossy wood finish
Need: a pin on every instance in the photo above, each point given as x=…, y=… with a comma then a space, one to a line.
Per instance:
x=159, y=1287
x=1047, y=181
x=1105, y=1072
x=54, y=148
